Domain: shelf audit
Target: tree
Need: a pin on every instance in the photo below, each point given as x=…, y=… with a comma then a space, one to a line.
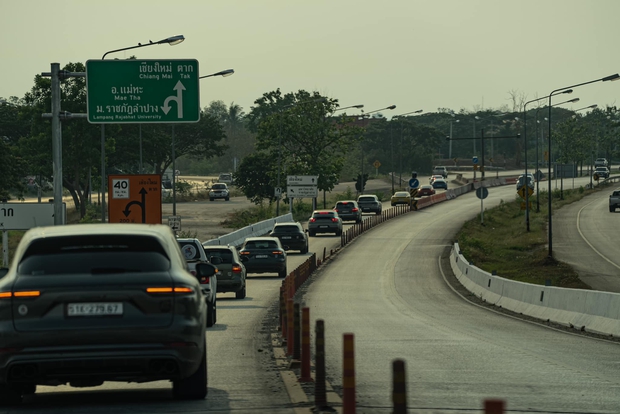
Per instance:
x=298, y=129
x=255, y=177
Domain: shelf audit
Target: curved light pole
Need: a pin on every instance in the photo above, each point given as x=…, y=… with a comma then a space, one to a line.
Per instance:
x=174, y=40
x=222, y=73
x=537, y=150
x=392, y=142
x=613, y=77
x=365, y=115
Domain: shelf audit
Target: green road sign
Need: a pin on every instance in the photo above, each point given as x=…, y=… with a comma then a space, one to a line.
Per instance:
x=142, y=91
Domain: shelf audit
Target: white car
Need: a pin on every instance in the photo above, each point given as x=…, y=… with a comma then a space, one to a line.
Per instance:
x=601, y=162
x=219, y=190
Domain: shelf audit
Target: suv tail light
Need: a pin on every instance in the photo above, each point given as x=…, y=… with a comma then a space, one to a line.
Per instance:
x=335, y=220
x=312, y=220
x=355, y=209
x=236, y=268
x=276, y=252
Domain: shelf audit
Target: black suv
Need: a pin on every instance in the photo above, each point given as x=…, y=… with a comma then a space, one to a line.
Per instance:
x=292, y=236
x=369, y=203
x=263, y=255
x=348, y=210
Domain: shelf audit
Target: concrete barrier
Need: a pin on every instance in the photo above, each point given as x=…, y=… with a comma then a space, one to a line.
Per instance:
x=237, y=237
x=588, y=310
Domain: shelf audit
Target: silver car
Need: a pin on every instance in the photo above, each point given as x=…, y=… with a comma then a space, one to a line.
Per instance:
x=84, y=304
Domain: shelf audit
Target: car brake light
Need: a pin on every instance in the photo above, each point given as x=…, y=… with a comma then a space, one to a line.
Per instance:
x=21, y=294
x=355, y=209
x=27, y=294
x=335, y=220
x=244, y=252
x=312, y=220
x=277, y=252
x=204, y=280
x=169, y=290
x=236, y=269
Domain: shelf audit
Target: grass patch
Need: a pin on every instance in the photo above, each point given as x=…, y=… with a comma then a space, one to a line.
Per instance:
x=503, y=245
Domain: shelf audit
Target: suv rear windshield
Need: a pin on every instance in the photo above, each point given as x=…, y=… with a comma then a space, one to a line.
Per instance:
x=98, y=254
x=261, y=244
x=366, y=199
x=225, y=254
x=286, y=229
x=219, y=186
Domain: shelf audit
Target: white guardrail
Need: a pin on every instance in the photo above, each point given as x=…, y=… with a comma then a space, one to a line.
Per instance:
x=587, y=310
x=237, y=237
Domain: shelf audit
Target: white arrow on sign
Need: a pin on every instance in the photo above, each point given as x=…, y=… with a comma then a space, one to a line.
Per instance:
x=179, y=99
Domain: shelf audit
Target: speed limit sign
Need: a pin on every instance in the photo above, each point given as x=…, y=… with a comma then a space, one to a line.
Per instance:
x=120, y=188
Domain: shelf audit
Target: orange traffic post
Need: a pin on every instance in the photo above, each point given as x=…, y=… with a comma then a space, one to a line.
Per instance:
x=296, y=333
x=305, y=346
x=320, y=394
x=289, y=327
x=399, y=387
x=348, y=374
x=494, y=406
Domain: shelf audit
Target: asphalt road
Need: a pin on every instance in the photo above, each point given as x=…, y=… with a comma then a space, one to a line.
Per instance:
x=388, y=289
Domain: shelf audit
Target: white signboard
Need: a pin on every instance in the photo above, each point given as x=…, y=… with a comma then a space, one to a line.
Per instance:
x=24, y=216
x=300, y=191
x=302, y=180
x=174, y=222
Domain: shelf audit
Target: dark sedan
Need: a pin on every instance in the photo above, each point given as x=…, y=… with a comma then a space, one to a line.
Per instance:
x=292, y=236
x=263, y=255
x=426, y=190
x=83, y=304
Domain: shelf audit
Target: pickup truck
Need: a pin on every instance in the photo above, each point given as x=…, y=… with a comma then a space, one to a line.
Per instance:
x=614, y=201
x=194, y=253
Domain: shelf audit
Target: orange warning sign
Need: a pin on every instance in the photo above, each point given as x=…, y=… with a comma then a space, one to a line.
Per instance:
x=134, y=198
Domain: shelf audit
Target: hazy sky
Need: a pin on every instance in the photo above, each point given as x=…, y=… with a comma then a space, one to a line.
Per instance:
x=458, y=54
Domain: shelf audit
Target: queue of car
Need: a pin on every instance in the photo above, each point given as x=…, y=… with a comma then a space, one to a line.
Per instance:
x=112, y=293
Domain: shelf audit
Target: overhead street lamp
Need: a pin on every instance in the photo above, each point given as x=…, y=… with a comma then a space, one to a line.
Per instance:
x=222, y=73
x=613, y=77
x=392, y=144
x=174, y=40
x=349, y=107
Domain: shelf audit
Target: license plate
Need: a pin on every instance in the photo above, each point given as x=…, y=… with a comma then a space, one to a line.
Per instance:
x=286, y=237
x=261, y=256
x=95, y=309
x=323, y=227
x=345, y=212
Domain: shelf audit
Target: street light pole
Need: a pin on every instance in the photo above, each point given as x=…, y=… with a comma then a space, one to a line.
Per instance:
x=392, y=141
x=174, y=40
x=613, y=77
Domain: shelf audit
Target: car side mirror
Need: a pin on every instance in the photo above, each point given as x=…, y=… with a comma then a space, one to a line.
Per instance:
x=216, y=260
x=3, y=272
x=205, y=270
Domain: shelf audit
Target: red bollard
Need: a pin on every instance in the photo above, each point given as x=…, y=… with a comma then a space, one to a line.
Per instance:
x=289, y=327
x=283, y=311
x=305, y=346
x=493, y=406
x=348, y=374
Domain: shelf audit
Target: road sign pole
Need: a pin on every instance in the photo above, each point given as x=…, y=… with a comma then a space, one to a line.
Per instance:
x=5, y=248
x=56, y=144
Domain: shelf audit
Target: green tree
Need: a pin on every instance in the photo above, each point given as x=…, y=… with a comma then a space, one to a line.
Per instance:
x=302, y=136
x=255, y=177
